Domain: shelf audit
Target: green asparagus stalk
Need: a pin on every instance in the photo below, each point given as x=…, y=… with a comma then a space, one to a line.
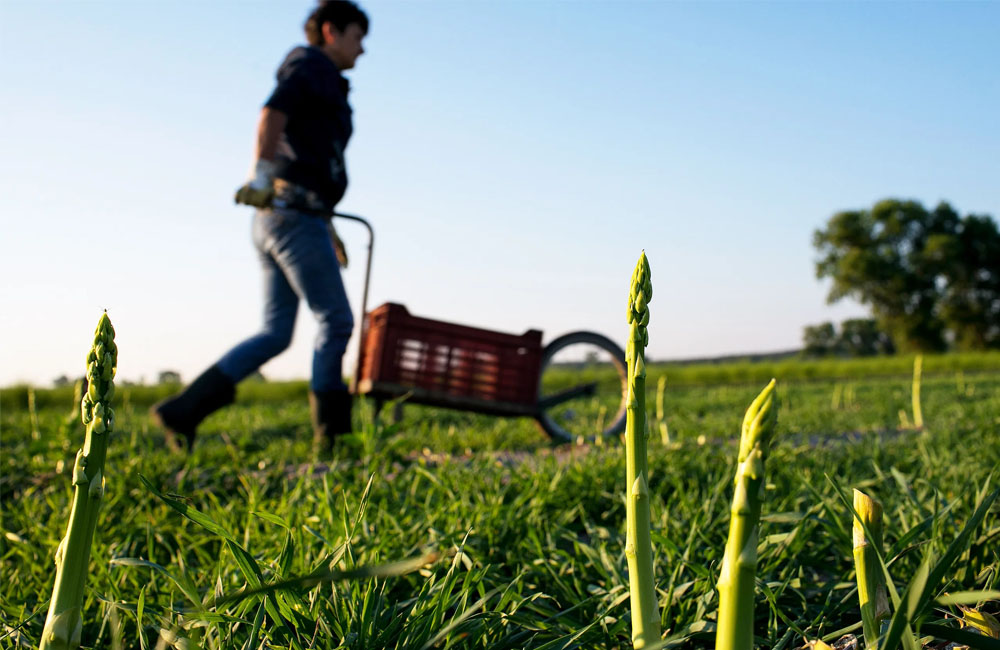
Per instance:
x=871, y=580
x=918, y=417
x=79, y=386
x=661, y=417
x=64, y=622
x=33, y=413
x=734, y=629
x=638, y=542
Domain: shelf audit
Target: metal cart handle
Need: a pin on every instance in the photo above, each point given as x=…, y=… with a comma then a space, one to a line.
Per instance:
x=364, y=295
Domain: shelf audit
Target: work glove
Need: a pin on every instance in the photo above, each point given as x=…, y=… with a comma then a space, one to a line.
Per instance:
x=338, y=246
x=258, y=191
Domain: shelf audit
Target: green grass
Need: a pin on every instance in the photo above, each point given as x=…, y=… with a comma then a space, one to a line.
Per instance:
x=529, y=537
x=760, y=372
x=679, y=374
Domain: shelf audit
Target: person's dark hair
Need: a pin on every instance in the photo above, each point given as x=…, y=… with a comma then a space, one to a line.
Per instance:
x=340, y=13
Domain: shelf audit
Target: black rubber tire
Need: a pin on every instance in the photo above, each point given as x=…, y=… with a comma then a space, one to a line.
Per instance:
x=617, y=424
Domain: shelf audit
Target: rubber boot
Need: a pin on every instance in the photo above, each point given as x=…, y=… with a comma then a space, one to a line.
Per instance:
x=331, y=416
x=181, y=414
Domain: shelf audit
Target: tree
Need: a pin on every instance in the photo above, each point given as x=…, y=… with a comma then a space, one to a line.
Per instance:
x=857, y=337
x=819, y=340
x=971, y=300
x=928, y=276
x=862, y=337
x=168, y=377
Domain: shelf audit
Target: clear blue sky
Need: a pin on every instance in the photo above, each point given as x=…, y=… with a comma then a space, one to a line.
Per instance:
x=514, y=158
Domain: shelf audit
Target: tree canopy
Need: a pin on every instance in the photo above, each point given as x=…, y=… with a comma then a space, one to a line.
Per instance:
x=931, y=277
x=857, y=337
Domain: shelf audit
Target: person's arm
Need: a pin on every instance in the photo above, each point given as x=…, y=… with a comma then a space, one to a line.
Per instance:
x=269, y=129
x=259, y=189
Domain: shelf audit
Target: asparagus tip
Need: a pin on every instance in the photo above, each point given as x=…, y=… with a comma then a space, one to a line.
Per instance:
x=759, y=422
x=869, y=513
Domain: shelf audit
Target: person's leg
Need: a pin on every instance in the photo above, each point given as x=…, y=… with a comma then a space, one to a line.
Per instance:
x=307, y=258
x=309, y=261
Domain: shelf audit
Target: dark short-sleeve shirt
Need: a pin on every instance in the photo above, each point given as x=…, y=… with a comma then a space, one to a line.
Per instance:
x=313, y=94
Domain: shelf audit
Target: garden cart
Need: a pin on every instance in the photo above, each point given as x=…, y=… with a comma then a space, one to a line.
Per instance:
x=573, y=387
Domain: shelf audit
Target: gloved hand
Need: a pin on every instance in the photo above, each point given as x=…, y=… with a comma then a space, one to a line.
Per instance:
x=338, y=247
x=258, y=191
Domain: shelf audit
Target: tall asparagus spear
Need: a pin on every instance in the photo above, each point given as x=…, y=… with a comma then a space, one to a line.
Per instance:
x=638, y=544
x=871, y=580
x=734, y=629
x=918, y=416
x=64, y=623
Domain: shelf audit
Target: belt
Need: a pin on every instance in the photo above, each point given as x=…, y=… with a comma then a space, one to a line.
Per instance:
x=295, y=197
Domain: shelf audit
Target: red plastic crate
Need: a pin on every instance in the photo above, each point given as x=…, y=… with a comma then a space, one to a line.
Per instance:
x=449, y=365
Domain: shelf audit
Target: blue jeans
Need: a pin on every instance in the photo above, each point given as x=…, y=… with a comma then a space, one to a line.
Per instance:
x=299, y=261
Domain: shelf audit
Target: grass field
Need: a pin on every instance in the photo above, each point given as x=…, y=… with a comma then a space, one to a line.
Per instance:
x=522, y=542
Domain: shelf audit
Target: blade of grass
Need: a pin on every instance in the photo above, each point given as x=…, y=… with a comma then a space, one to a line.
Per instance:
x=184, y=585
x=258, y=621
x=308, y=581
x=457, y=620
x=968, y=597
x=955, y=635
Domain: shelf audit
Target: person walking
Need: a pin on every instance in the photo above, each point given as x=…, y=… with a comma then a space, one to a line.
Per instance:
x=296, y=181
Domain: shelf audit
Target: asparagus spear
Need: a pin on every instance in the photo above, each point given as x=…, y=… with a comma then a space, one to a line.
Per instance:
x=64, y=622
x=918, y=416
x=661, y=419
x=734, y=629
x=871, y=579
x=638, y=544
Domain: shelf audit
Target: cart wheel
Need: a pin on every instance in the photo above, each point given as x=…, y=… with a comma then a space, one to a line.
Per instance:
x=582, y=388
